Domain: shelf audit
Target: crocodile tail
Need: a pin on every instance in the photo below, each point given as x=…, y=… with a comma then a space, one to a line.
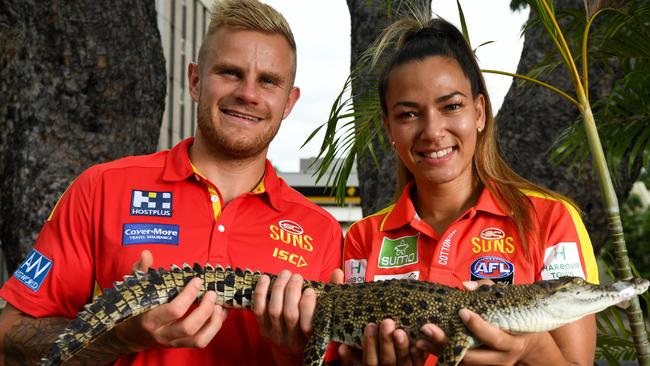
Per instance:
x=144, y=291
x=134, y=295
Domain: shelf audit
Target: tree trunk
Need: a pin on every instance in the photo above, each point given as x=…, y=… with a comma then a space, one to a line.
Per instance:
x=531, y=118
x=81, y=82
x=368, y=19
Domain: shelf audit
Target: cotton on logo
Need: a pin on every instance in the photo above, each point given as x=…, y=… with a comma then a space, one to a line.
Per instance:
x=291, y=227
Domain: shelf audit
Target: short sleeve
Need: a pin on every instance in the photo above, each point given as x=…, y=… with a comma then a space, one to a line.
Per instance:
x=56, y=277
x=355, y=257
x=568, y=250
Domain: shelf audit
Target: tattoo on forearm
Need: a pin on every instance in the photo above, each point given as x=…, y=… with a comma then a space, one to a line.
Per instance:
x=30, y=339
x=108, y=347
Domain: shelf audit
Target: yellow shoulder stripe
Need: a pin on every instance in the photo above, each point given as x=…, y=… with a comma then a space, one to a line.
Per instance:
x=585, y=242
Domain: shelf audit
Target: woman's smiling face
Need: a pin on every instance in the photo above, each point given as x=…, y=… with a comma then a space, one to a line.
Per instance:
x=433, y=119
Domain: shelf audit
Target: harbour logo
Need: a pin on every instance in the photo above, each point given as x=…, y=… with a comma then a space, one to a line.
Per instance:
x=149, y=203
x=34, y=269
x=562, y=259
x=398, y=252
x=496, y=269
x=355, y=270
x=150, y=234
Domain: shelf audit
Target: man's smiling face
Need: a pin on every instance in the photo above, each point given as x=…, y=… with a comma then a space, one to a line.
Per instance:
x=244, y=89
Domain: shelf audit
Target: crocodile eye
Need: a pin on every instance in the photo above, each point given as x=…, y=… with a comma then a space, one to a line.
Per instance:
x=577, y=281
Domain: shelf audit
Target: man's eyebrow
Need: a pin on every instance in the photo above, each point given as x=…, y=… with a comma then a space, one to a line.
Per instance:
x=225, y=66
x=273, y=76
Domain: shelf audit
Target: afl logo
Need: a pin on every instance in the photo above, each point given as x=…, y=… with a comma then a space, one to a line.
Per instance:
x=492, y=233
x=291, y=227
x=491, y=268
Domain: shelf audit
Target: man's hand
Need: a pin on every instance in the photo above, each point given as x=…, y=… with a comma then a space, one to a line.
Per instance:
x=178, y=323
x=286, y=318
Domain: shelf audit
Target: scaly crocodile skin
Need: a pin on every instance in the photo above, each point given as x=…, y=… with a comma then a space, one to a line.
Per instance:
x=343, y=311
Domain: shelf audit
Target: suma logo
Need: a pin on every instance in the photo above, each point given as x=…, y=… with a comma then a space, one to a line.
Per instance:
x=492, y=233
x=492, y=268
x=398, y=252
x=291, y=227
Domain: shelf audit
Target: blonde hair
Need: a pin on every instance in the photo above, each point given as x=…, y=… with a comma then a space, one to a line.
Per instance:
x=418, y=37
x=249, y=15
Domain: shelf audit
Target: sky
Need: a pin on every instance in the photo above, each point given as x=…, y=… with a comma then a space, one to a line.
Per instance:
x=322, y=32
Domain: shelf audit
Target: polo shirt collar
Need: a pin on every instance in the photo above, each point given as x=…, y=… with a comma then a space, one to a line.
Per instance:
x=403, y=212
x=273, y=186
x=488, y=203
x=178, y=167
x=177, y=164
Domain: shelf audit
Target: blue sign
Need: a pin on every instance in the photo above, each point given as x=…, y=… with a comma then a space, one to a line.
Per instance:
x=150, y=234
x=34, y=269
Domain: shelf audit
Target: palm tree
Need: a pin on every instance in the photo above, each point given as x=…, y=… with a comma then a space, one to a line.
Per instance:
x=580, y=80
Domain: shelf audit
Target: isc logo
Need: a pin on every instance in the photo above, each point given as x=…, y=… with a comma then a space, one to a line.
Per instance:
x=33, y=271
x=295, y=259
x=492, y=268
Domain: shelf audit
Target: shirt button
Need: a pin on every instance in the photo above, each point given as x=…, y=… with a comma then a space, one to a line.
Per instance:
x=221, y=228
x=214, y=198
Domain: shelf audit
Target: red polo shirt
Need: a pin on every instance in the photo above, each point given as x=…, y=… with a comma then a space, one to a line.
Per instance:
x=482, y=243
x=157, y=202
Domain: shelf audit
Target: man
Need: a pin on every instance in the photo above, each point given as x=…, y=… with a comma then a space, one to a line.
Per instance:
x=211, y=199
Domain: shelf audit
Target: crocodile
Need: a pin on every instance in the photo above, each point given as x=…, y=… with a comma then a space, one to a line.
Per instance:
x=343, y=310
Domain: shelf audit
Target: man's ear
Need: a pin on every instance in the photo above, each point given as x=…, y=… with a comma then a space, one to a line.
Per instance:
x=194, y=80
x=294, y=95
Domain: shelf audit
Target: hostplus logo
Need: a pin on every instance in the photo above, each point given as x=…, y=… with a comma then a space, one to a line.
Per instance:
x=149, y=203
x=398, y=252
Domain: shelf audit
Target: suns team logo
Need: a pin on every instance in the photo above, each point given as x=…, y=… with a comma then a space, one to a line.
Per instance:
x=493, y=240
x=291, y=233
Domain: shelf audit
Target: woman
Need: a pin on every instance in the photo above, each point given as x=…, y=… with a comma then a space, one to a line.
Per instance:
x=463, y=214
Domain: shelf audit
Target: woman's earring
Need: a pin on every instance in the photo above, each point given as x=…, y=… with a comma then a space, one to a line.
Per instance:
x=480, y=130
x=393, y=143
